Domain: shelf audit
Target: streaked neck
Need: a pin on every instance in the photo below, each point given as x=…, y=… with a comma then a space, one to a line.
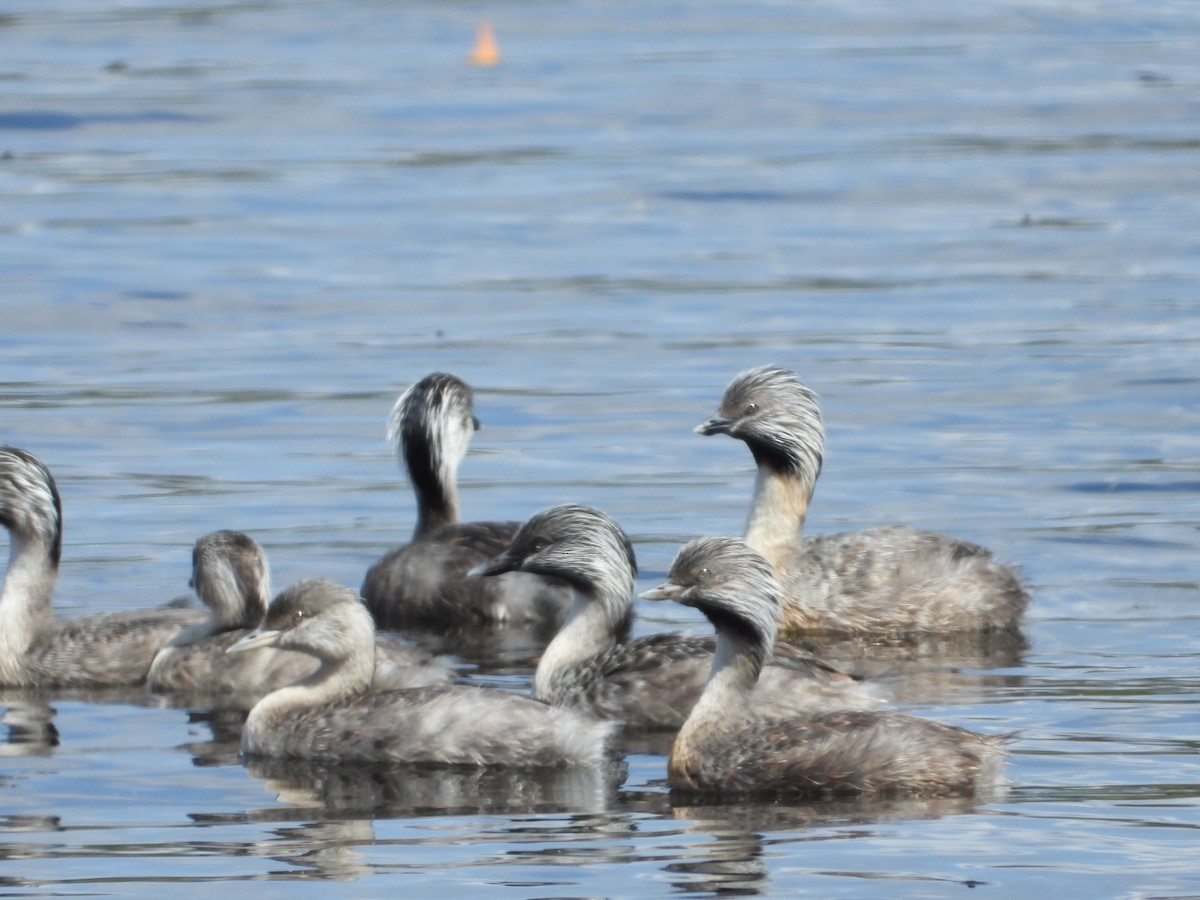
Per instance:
x=332, y=681
x=25, y=600
x=777, y=513
x=736, y=665
x=592, y=626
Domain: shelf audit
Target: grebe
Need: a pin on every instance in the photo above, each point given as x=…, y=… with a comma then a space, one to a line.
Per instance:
x=650, y=682
x=424, y=582
x=334, y=714
x=892, y=579
x=36, y=649
x=231, y=576
x=731, y=745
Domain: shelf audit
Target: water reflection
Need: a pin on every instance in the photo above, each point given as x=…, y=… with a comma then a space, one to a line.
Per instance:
x=31, y=729
x=29, y=715
x=324, y=849
x=928, y=668
x=418, y=790
x=735, y=862
x=223, y=748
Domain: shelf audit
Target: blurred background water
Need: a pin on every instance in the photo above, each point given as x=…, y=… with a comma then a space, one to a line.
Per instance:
x=231, y=233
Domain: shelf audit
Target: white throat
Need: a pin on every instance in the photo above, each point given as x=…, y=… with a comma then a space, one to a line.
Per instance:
x=777, y=514
x=25, y=601
x=331, y=681
x=590, y=628
x=733, y=675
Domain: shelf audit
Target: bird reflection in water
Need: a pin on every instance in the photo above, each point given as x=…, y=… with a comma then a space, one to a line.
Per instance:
x=734, y=862
x=31, y=728
x=406, y=790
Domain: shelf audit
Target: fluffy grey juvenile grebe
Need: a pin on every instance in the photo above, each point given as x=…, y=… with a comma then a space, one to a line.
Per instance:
x=423, y=583
x=36, y=649
x=334, y=714
x=731, y=745
x=231, y=576
x=649, y=682
x=890, y=579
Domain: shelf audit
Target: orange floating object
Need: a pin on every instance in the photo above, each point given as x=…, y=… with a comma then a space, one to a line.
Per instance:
x=487, y=51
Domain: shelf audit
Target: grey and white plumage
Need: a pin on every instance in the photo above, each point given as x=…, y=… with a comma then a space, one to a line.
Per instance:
x=650, y=682
x=731, y=745
x=891, y=579
x=423, y=583
x=334, y=714
x=36, y=649
x=231, y=576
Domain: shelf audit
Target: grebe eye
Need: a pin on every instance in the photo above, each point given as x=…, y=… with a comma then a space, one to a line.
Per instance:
x=704, y=574
x=751, y=408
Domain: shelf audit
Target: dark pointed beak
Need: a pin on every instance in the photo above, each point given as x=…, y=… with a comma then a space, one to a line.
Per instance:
x=715, y=425
x=259, y=637
x=497, y=565
x=475, y=423
x=668, y=590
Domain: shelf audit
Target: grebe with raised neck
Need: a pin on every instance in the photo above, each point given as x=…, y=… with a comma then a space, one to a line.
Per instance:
x=892, y=579
x=650, y=682
x=38, y=650
x=424, y=583
x=732, y=745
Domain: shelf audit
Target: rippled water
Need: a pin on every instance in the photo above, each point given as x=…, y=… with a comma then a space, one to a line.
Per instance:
x=231, y=233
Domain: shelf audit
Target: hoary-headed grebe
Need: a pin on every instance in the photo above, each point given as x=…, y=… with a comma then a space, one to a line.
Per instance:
x=892, y=579
x=231, y=576
x=334, y=714
x=424, y=583
x=36, y=649
x=649, y=682
x=730, y=744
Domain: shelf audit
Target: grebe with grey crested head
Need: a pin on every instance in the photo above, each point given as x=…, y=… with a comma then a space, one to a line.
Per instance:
x=649, y=682
x=731, y=745
x=424, y=583
x=231, y=576
x=36, y=649
x=892, y=579
x=334, y=714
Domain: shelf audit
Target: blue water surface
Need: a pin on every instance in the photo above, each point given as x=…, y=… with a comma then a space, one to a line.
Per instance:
x=232, y=233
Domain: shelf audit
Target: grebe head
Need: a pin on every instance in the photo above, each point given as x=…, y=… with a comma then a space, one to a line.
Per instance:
x=317, y=617
x=431, y=425
x=730, y=583
x=230, y=574
x=30, y=507
x=577, y=544
x=778, y=418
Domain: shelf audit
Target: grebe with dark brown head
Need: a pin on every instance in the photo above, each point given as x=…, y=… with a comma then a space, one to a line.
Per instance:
x=650, y=682
x=731, y=745
x=334, y=714
x=36, y=649
x=892, y=579
x=424, y=583
x=231, y=576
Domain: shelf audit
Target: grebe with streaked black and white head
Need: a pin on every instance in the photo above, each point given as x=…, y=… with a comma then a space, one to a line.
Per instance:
x=36, y=649
x=732, y=745
x=891, y=579
x=649, y=682
x=424, y=583
x=231, y=576
x=334, y=714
